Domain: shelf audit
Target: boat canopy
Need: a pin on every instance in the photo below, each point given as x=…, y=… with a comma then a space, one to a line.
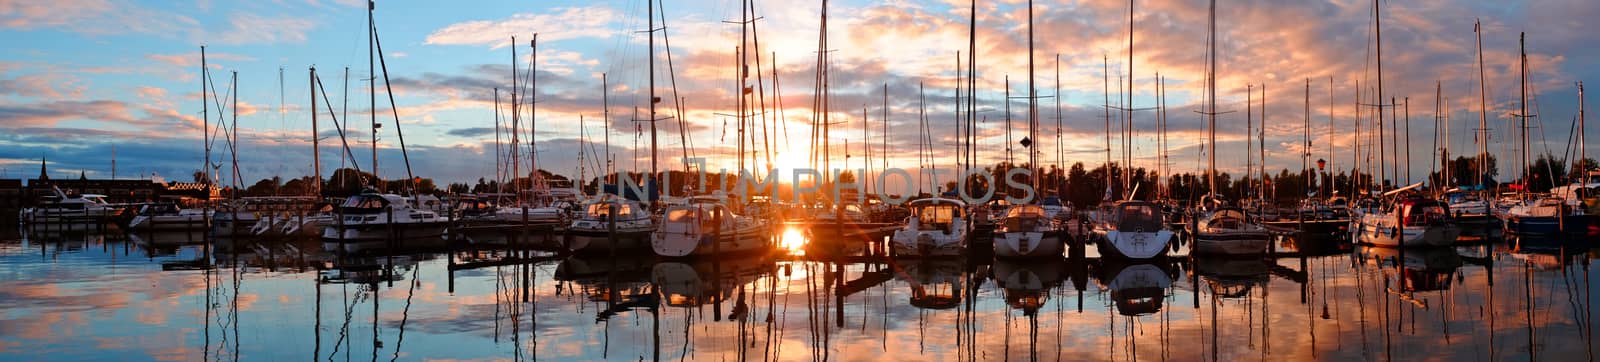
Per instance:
x=1138, y=215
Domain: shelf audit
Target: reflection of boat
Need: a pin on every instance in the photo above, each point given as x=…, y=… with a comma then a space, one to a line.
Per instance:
x=167, y=242
x=706, y=282
x=1132, y=229
x=1318, y=244
x=935, y=283
x=633, y=267
x=1027, y=231
x=1136, y=289
x=610, y=224
x=937, y=227
x=1232, y=278
x=1420, y=269
x=705, y=226
x=1027, y=283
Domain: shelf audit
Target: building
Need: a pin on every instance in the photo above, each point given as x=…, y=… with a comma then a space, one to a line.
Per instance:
x=11, y=194
x=116, y=190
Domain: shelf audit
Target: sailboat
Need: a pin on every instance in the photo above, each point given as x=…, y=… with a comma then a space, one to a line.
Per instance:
x=1223, y=229
x=1399, y=218
x=610, y=224
x=1314, y=215
x=1554, y=214
x=377, y=219
x=1129, y=228
x=705, y=225
x=1028, y=230
x=1470, y=207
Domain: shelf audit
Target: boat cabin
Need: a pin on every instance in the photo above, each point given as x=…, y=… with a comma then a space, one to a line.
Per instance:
x=937, y=213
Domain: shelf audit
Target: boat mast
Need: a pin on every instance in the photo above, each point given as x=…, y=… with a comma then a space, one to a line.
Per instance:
x=605, y=105
x=205, y=120
x=500, y=162
x=316, y=144
x=1211, y=102
x=1105, y=81
x=1033, y=108
x=1483, y=110
x=372, y=91
x=516, y=120
x=1059, y=166
x=1305, y=156
x=972, y=83
x=650, y=9
x=1377, y=26
x=1127, y=143
x=1522, y=47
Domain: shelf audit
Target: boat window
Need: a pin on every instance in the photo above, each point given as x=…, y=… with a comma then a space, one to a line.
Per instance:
x=942, y=214
x=1139, y=217
x=1025, y=211
x=365, y=202
x=680, y=215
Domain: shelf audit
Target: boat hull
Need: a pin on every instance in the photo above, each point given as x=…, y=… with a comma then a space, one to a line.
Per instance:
x=1548, y=225
x=927, y=244
x=1135, y=244
x=1379, y=230
x=686, y=244
x=1028, y=244
x=590, y=241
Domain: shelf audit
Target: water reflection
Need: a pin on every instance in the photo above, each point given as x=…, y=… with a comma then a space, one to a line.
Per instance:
x=85, y=294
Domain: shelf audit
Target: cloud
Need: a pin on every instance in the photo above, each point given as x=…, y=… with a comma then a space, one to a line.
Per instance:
x=472, y=132
x=558, y=24
x=249, y=28
x=186, y=60
x=91, y=17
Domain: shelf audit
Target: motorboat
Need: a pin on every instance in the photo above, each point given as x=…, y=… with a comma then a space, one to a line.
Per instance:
x=1403, y=221
x=1132, y=229
x=372, y=219
x=1227, y=230
x=168, y=216
x=72, y=209
x=1546, y=216
x=706, y=226
x=1028, y=231
x=937, y=227
x=610, y=223
x=1466, y=207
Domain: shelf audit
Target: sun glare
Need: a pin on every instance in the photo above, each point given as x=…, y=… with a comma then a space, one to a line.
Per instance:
x=793, y=240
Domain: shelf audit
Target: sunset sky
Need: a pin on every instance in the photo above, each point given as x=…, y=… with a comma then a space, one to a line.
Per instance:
x=83, y=76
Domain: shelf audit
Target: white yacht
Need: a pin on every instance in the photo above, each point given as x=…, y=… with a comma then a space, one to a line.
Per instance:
x=372, y=219
x=1028, y=231
x=165, y=216
x=706, y=226
x=1132, y=229
x=71, y=209
x=1227, y=231
x=607, y=219
x=1404, y=222
x=937, y=227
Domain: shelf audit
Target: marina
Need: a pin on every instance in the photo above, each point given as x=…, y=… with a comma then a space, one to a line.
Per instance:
x=660, y=199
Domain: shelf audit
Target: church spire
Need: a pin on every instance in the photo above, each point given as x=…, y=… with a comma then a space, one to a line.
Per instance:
x=43, y=175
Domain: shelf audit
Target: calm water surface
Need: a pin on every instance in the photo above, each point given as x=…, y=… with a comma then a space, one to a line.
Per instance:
x=110, y=296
